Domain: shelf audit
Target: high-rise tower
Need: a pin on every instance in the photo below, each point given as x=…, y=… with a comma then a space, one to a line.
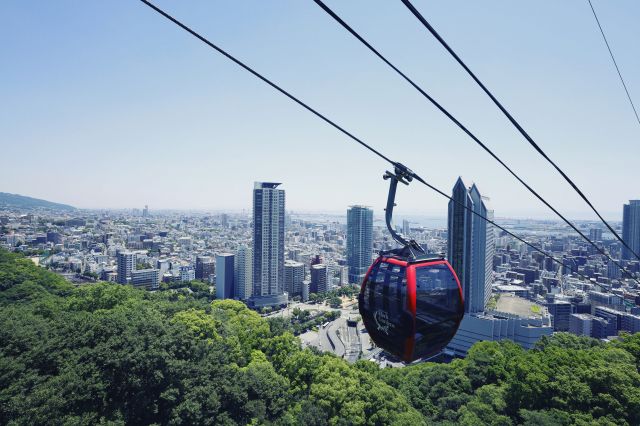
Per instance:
x=359, y=241
x=225, y=276
x=126, y=265
x=268, y=244
x=631, y=228
x=244, y=273
x=471, y=245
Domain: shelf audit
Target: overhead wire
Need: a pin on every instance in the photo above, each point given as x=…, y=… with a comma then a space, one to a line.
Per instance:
x=344, y=131
x=515, y=123
x=604, y=37
x=442, y=109
x=264, y=79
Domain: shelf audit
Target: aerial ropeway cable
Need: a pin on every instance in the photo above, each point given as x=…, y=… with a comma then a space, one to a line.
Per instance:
x=624, y=85
x=517, y=125
x=346, y=26
x=353, y=137
x=411, y=302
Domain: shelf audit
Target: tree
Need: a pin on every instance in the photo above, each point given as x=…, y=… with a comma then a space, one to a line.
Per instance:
x=335, y=302
x=107, y=353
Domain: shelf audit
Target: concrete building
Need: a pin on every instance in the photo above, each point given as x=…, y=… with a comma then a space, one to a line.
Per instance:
x=631, y=229
x=148, y=278
x=471, y=245
x=268, y=245
x=602, y=328
x=205, y=267
x=607, y=299
x=359, y=241
x=514, y=318
x=225, y=271
x=631, y=323
x=126, y=265
x=319, y=278
x=243, y=273
x=613, y=270
x=293, y=277
x=406, y=228
x=55, y=237
x=187, y=273
x=494, y=327
x=560, y=312
x=343, y=278
x=580, y=324
x=611, y=315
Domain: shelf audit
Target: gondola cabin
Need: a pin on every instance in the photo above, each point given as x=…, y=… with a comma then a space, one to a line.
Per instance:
x=411, y=307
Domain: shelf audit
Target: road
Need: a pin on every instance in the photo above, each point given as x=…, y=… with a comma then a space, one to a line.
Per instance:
x=351, y=340
x=337, y=337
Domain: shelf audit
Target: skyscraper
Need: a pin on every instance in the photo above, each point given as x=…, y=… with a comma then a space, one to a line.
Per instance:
x=126, y=265
x=406, y=228
x=631, y=228
x=359, y=241
x=224, y=276
x=243, y=278
x=471, y=245
x=268, y=245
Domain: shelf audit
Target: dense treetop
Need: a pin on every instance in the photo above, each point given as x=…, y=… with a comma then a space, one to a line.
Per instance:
x=111, y=354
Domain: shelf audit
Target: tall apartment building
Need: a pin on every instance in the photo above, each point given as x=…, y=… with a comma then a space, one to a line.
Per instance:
x=293, y=277
x=359, y=241
x=320, y=278
x=268, y=245
x=126, y=265
x=243, y=273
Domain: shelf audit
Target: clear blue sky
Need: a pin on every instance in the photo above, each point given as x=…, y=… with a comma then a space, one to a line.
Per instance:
x=107, y=104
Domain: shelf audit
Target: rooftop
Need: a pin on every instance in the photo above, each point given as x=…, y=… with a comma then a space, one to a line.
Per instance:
x=515, y=305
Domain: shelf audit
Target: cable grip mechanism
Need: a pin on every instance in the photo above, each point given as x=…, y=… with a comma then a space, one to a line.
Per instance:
x=403, y=175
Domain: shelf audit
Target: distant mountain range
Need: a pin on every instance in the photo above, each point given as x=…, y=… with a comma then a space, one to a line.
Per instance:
x=20, y=201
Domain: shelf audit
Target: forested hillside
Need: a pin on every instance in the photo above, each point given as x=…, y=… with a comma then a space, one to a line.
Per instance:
x=111, y=354
x=23, y=202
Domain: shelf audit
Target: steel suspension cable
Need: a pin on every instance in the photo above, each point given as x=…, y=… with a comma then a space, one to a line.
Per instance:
x=353, y=32
x=517, y=125
x=261, y=77
x=344, y=131
x=604, y=37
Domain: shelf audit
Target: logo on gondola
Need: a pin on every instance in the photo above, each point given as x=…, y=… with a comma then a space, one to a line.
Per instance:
x=382, y=321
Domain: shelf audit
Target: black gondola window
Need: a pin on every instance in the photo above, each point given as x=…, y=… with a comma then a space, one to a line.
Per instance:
x=438, y=308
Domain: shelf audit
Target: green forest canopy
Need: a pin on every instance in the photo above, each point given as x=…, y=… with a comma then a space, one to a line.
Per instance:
x=111, y=354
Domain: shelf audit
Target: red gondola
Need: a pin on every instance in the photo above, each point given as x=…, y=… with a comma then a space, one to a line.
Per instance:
x=411, y=303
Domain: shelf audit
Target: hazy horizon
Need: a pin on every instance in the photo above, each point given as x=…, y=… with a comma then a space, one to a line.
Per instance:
x=138, y=112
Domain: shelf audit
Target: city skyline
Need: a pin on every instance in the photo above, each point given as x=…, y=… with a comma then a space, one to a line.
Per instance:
x=320, y=212
x=191, y=101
